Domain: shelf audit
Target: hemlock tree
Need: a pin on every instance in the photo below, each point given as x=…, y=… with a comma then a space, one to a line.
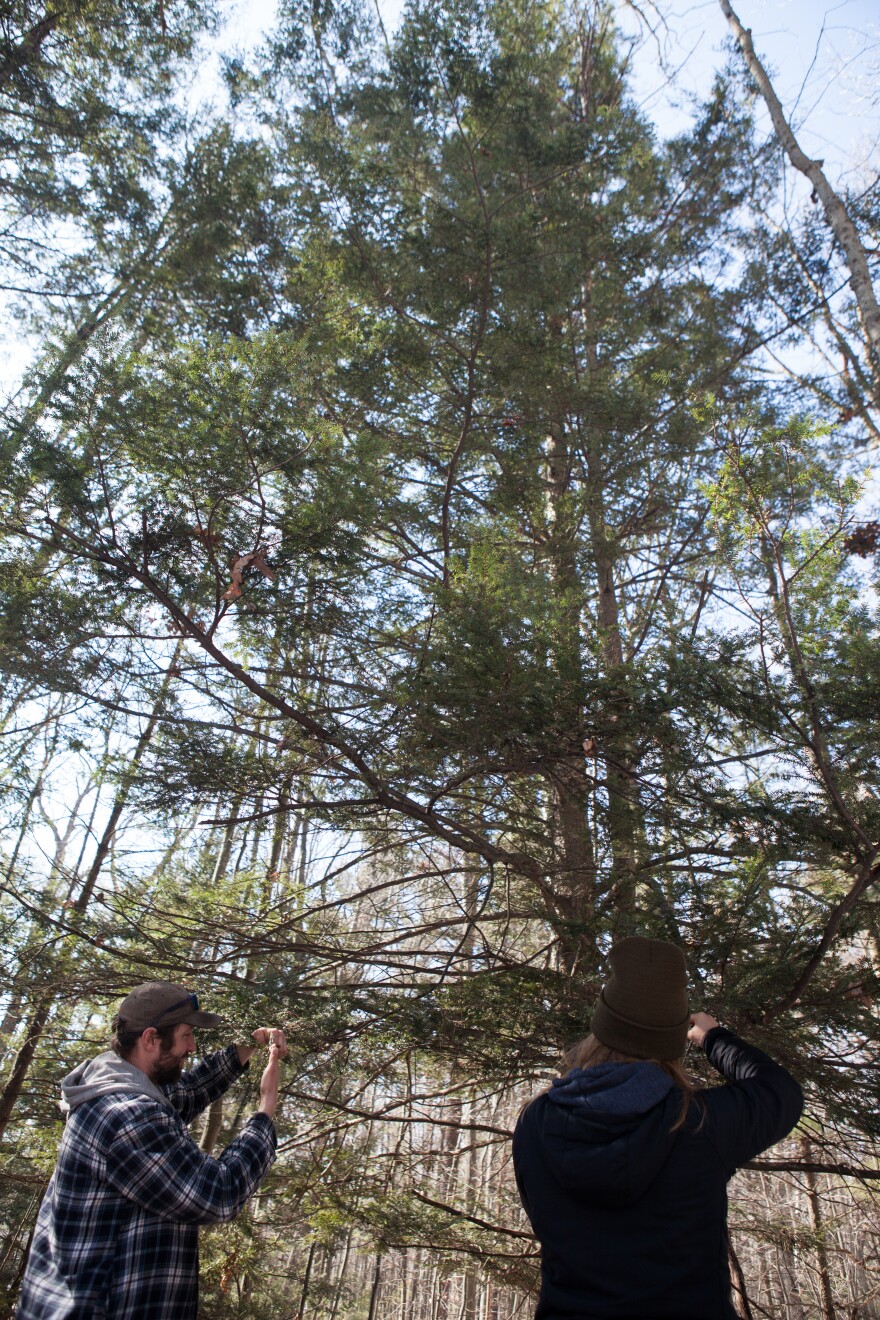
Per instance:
x=485, y=460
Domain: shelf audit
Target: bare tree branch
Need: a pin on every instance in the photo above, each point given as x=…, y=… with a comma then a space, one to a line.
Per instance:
x=836, y=214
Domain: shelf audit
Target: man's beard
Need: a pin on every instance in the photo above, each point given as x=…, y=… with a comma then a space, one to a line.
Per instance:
x=168, y=1069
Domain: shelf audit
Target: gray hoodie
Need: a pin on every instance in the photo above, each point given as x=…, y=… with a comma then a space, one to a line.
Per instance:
x=107, y=1074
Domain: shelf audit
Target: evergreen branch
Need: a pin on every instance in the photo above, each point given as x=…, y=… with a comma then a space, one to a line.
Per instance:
x=813, y=1166
x=471, y=1219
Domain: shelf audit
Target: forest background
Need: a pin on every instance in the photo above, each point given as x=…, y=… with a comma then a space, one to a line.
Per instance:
x=438, y=538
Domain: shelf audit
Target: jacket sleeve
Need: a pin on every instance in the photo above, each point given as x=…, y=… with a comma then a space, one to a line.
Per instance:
x=155, y=1163
x=207, y=1081
x=759, y=1106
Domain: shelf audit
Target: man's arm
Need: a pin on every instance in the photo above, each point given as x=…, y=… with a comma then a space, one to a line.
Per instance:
x=213, y=1075
x=205, y=1082
x=150, y=1163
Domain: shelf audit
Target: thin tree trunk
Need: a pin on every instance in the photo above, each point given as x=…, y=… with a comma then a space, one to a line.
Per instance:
x=24, y=52
x=374, y=1290
x=816, y=1219
x=304, y=1295
x=615, y=749
x=11, y=1017
x=340, y=1281
x=125, y=787
x=23, y=1060
x=574, y=884
x=739, y=1284
x=213, y=1124
x=838, y=218
x=43, y=1008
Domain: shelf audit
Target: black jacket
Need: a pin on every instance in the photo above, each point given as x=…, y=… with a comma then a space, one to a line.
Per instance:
x=631, y=1216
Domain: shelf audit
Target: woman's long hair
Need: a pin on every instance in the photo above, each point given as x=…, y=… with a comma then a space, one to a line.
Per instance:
x=590, y=1052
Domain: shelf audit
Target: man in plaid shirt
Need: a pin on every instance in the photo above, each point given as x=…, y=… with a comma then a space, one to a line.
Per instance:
x=117, y=1233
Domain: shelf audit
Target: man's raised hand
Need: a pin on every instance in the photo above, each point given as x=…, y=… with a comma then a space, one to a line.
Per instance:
x=271, y=1036
x=263, y=1036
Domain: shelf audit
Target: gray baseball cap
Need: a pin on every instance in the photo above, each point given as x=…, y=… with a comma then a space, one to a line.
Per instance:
x=163, y=1004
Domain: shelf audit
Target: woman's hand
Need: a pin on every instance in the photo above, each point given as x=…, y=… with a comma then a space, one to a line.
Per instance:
x=701, y=1023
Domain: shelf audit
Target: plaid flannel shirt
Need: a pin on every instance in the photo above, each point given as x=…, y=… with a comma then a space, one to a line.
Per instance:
x=117, y=1232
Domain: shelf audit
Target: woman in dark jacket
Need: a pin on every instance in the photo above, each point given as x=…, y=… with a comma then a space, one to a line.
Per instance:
x=622, y=1165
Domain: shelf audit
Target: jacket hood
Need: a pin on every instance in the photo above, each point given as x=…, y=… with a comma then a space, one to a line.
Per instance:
x=606, y=1130
x=107, y=1074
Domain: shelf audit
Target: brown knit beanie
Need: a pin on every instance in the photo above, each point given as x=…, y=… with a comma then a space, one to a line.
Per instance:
x=643, y=1007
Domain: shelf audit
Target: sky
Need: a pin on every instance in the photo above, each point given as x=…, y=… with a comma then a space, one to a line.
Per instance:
x=824, y=60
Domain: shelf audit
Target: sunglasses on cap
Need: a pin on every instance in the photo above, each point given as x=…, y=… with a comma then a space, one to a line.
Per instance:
x=191, y=1000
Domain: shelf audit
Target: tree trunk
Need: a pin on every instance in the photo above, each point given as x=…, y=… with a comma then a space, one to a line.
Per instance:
x=43, y=1008
x=574, y=881
x=374, y=1290
x=125, y=787
x=304, y=1295
x=816, y=1219
x=838, y=218
x=213, y=1124
x=23, y=1060
x=741, y=1296
x=615, y=746
x=25, y=51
